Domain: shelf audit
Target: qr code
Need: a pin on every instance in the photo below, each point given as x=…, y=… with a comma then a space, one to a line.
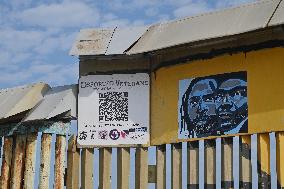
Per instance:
x=113, y=106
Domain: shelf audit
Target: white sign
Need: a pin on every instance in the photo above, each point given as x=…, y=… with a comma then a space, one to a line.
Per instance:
x=113, y=109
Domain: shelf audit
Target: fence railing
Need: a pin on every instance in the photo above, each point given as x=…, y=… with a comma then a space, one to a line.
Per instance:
x=175, y=165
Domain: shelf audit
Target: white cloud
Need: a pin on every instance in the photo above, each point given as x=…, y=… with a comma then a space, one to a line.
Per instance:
x=66, y=14
x=192, y=9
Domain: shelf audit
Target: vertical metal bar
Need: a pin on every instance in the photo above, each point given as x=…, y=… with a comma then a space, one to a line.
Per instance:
x=18, y=162
x=141, y=168
x=177, y=166
x=45, y=161
x=210, y=164
x=193, y=165
x=161, y=167
x=123, y=168
x=59, y=162
x=87, y=168
x=227, y=163
x=280, y=159
x=105, y=168
x=6, y=162
x=245, y=162
x=263, y=164
x=73, y=157
x=29, y=173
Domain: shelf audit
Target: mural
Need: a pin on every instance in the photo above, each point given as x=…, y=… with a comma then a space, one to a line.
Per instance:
x=213, y=105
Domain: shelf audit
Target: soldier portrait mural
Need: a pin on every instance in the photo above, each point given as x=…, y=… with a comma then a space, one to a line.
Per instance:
x=213, y=105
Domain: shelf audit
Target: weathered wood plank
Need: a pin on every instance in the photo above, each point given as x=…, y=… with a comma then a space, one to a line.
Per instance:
x=87, y=168
x=227, y=181
x=263, y=163
x=141, y=168
x=161, y=167
x=177, y=166
x=280, y=159
x=105, y=168
x=73, y=157
x=193, y=165
x=18, y=162
x=59, y=169
x=30, y=159
x=6, y=162
x=123, y=167
x=45, y=156
x=210, y=164
x=245, y=162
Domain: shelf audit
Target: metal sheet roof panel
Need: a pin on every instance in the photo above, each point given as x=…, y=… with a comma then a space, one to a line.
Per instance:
x=278, y=17
x=92, y=42
x=123, y=38
x=57, y=100
x=206, y=26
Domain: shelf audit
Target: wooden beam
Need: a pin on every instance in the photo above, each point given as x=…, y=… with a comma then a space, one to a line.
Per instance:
x=177, y=166
x=6, y=162
x=245, y=162
x=30, y=160
x=59, y=169
x=161, y=167
x=105, y=168
x=193, y=165
x=227, y=163
x=141, y=168
x=87, y=168
x=123, y=167
x=263, y=163
x=45, y=156
x=210, y=164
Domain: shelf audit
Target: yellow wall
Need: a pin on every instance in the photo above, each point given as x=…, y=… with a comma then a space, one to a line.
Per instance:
x=265, y=78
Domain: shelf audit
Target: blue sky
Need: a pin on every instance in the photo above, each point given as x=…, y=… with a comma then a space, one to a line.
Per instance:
x=36, y=35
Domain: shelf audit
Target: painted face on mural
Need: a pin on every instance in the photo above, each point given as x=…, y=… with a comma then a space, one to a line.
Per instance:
x=201, y=105
x=231, y=103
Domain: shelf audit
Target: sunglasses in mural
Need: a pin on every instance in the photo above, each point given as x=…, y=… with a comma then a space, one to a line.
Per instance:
x=213, y=105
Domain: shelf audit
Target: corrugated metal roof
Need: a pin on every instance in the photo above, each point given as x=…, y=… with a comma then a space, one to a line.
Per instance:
x=58, y=100
x=206, y=26
x=123, y=38
x=278, y=17
x=20, y=99
x=92, y=41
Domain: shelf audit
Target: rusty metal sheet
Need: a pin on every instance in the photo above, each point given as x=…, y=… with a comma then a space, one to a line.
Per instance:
x=278, y=17
x=222, y=23
x=57, y=101
x=123, y=38
x=92, y=42
x=19, y=99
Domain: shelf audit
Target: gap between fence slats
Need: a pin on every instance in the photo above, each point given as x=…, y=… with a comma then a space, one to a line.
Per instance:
x=45, y=156
x=105, y=168
x=29, y=173
x=141, y=168
x=123, y=168
x=161, y=167
x=227, y=181
x=87, y=168
x=280, y=159
x=263, y=163
x=59, y=162
x=210, y=164
x=245, y=166
x=6, y=162
x=193, y=165
x=177, y=166
x=18, y=161
x=73, y=158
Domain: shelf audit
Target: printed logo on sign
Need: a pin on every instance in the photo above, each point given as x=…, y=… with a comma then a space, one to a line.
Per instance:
x=113, y=106
x=103, y=134
x=114, y=134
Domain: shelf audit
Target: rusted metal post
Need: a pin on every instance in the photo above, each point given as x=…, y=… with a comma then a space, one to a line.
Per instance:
x=210, y=164
x=280, y=159
x=192, y=165
x=245, y=162
x=141, y=168
x=123, y=167
x=105, y=168
x=59, y=162
x=45, y=161
x=227, y=163
x=87, y=168
x=18, y=162
x=161, y=167
x=263, y=163
x=29, y=173
x=177, y=165
x=6, y=162
x=73, y=157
